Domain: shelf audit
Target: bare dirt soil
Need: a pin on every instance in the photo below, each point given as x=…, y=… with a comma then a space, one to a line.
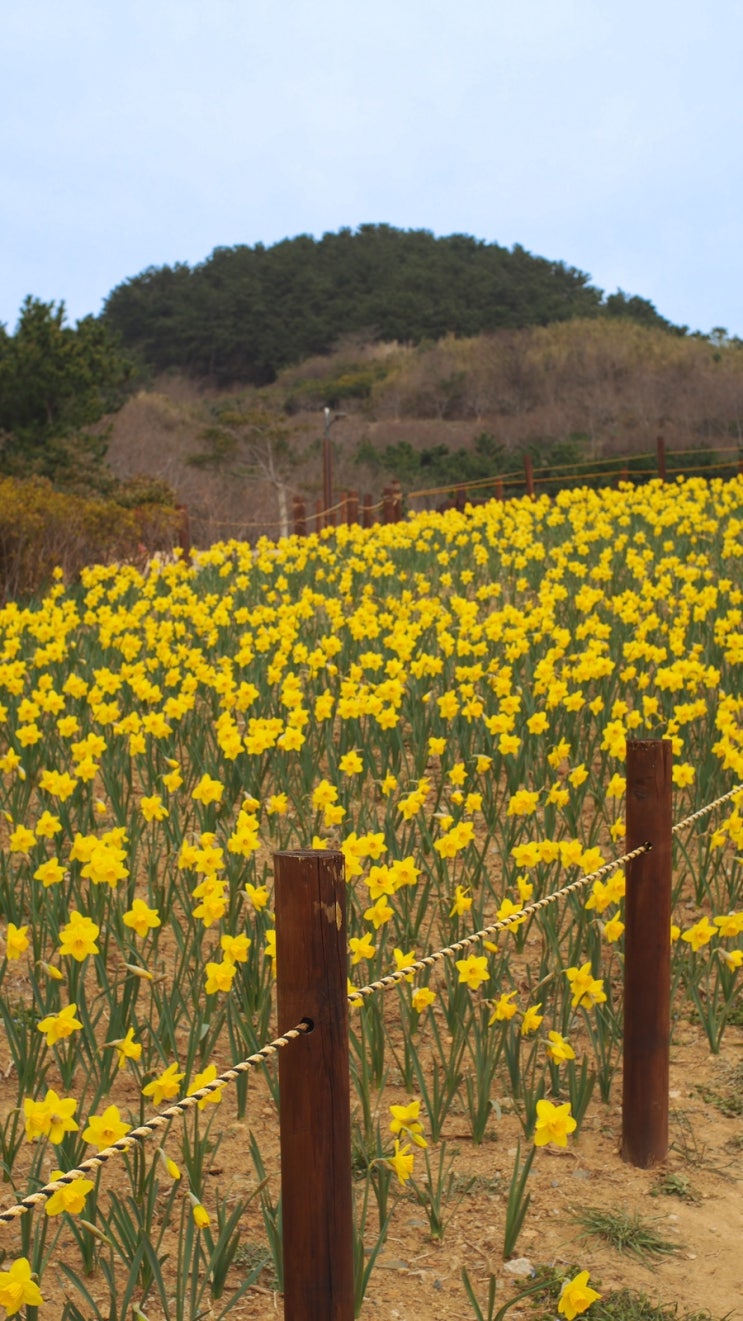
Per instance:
x=417, y=1277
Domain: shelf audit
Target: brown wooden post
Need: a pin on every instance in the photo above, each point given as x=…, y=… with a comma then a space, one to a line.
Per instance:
x=184, y=529
x=352, y=508
x=499, y=488
x=396, y=502
x=529, y=475
x=388, y=507
x=740, y=462
x=300, y=516
x=647, y=958
x=661, y=447
x=314, y=1087
x=367, y=516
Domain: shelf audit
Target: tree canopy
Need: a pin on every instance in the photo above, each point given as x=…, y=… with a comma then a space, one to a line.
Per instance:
x=55, y=382
x=246, y=312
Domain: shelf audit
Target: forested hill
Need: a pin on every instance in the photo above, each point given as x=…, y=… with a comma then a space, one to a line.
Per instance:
x=246, y=312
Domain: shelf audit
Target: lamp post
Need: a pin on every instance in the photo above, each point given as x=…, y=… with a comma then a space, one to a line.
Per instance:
x=327, y=462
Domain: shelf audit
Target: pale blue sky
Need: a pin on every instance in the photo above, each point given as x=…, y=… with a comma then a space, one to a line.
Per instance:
x=143, y=132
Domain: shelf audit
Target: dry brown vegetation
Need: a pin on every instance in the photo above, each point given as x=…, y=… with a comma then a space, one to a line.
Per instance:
x=610, y=386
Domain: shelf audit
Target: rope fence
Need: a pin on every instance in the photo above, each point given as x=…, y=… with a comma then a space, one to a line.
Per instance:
x=158, y=1121
x=503, y=923
x=165, y=1117
x=238, y=523
x=355, y=997
x=351, y=510
x=699, y=468
x=514, y=919
x=709, y=807
x=617, y=468
x=312, y=992
x=507, y=478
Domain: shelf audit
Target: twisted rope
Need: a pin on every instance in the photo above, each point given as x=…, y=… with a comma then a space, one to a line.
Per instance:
x=705, y=449
x=158, y=1121
x=699, y=469
x=610, y=474
x=429, y=960
x=391, y=979
x=234, y=522
x=709, y=807
x=508, y=478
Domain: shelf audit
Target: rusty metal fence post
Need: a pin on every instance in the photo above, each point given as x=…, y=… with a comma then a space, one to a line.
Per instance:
x=314, y=1086
x=661, y=453
x=184, y=529
x=299, y=515
x=647, y=959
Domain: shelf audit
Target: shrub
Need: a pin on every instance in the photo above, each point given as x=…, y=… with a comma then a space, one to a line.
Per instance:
x=41, y=528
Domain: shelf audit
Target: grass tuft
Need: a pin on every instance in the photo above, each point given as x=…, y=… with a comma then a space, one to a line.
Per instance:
x=628, y=1305
x=626, y=1233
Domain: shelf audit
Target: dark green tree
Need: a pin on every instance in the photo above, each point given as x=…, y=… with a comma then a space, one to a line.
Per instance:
x=638, y=309
x=56, y=382
x=245, y=313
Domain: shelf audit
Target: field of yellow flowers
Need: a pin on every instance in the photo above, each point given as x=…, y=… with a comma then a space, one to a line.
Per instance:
x=446, y=700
